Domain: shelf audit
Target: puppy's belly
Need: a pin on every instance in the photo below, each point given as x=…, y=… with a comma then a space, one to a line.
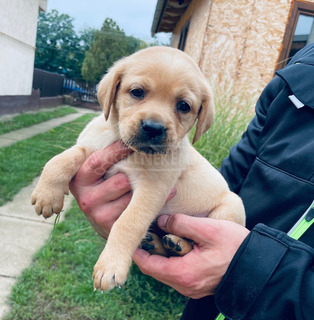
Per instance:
x=192, y=199
x=196, y=203
x=171, y=210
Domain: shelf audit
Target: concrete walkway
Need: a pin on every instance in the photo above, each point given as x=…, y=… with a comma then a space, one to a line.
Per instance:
x=22, y=233
x=24, y=133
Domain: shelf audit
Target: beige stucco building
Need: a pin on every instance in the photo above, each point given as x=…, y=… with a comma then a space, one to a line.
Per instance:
x=18, y=28
x=237, y=44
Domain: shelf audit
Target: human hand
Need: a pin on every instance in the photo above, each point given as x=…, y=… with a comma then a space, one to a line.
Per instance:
x=102, y=201
x=198, y=273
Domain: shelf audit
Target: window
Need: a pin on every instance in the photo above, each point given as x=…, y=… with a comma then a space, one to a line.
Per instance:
x=183, y=36
x=299, y=31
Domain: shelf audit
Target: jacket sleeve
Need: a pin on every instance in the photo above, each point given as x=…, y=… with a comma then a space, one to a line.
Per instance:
x=271, y=276
x=237, y=165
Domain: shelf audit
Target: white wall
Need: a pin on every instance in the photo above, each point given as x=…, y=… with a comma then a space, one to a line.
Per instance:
x=18, y=27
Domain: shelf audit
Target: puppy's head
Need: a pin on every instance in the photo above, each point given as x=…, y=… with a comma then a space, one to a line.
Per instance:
x=155, y=96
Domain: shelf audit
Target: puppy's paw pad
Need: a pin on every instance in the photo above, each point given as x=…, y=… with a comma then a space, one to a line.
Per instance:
x=152, y=243
x=147, y=243
x=177, y=246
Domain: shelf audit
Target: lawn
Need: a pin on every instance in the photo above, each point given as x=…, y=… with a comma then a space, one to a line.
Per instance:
x=58, y=284
x=21, y=162
x=28, y=119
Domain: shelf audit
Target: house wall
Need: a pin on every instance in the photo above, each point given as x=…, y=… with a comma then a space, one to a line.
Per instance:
x=236, y=43
x=198, y=13
x=18, y=26
x=244, y=42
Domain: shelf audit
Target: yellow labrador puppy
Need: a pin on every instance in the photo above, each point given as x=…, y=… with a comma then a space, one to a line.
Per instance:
x=150, y=100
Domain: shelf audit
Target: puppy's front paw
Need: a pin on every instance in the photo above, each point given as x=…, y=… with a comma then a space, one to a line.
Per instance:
x=177, y=246
x=110, y=272
x=48, y=199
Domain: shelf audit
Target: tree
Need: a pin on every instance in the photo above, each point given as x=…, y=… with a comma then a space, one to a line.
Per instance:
x=109, y=45
x=59, y=48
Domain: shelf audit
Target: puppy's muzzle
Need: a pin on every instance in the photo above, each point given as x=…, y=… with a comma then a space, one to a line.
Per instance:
x=151, y=137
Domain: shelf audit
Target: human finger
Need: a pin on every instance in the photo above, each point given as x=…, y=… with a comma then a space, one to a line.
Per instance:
x=174, y=271
x=102, y=194
x=161, y=268
x=195, y=228
x=103, y=218
x=112, y=188
x=99, y=161
x=116, y=207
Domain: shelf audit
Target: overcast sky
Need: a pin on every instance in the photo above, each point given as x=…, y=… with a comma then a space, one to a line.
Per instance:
x=135, y=17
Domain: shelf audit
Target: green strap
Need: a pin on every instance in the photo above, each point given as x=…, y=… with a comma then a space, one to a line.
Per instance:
x=303, y=223
x=220, y=317
x=295, y=232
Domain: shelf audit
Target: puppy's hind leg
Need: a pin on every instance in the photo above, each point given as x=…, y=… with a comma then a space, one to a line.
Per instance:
x=230, y=208
x=177, y=246
x=153, y=244
x=167, y=245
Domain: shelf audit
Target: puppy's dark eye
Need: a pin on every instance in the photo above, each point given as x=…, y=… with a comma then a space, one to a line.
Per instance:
x=183, y=107
x=137, y=93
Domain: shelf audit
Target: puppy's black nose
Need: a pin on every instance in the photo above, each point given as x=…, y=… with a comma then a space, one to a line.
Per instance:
x=153, y=129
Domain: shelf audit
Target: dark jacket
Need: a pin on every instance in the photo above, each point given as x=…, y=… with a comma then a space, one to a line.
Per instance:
x=272, y=169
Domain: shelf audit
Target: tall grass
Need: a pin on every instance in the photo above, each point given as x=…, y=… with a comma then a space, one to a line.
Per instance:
x=232, y=116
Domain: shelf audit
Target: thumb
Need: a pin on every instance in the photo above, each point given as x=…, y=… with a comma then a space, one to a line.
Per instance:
x=199, y=229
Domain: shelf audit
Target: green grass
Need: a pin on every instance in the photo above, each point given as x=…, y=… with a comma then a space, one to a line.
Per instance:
x=231, y=119
x=29, y=119
x=58, y=284
x=21, y=162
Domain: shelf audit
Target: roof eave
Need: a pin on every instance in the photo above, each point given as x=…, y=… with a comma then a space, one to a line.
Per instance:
x=160, y=7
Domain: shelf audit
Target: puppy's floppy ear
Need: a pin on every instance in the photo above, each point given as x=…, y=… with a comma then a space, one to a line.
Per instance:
x=205, y=114
x=107, y=88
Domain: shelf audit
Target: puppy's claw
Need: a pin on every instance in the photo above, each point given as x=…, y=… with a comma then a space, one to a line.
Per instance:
x=110, y=276
x=100, y=281
x=117, y=285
